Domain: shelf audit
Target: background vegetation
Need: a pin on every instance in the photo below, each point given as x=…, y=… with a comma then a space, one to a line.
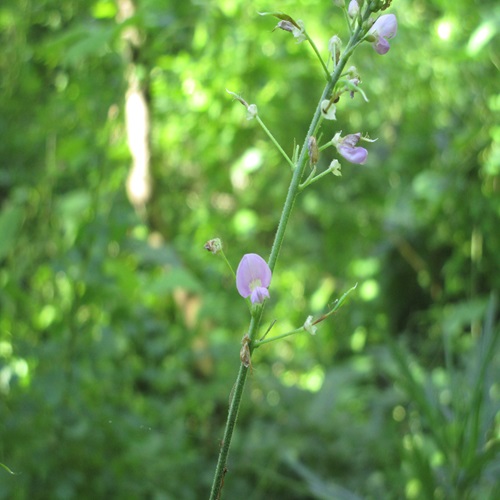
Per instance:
x=119, y=334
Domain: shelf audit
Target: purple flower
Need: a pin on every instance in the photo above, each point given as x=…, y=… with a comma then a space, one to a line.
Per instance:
x=384, y=28
x=253, y=277
x=346, y=146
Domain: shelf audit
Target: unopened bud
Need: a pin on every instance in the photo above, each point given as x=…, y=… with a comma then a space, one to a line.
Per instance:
x=300, y=32
x=335, y=168
x=309, y=327
x=296, y=28
x=252, y=111
x=334, y=47
x=353, y=9
x=285, y=25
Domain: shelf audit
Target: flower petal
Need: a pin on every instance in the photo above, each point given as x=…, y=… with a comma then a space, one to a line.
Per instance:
x=384, y=28
x=328, y=110
x=252, y=268
x=354, y=155
x=387, y=26
x=381, y=46
x=259, y=294
x=351, y=140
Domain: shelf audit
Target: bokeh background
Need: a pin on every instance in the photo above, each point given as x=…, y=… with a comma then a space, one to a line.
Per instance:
x=121, y=154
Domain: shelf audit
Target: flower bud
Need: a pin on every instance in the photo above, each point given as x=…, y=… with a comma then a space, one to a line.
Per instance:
x=286, y=26
x=335, y=168
x=334, y=47
x=287, y=23
x=214, y=246
x=309, y=327
x=252, y=111
x=297, y=29
x=299, y=33
x=353, y=9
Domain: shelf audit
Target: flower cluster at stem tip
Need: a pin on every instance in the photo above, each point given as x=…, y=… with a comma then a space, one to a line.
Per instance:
x=253, y=275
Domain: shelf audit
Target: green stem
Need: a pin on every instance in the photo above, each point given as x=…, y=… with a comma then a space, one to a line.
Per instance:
x=336, y=307
x=223, y=255
x=232, y=416
x=293, y=190
x=228, y=433
x=258, y=343
x=310, y=180
x=318, y=55
x=274, y=141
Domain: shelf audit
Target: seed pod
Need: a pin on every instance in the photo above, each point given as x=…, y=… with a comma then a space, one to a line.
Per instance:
x=245, y=356
x=312, y=147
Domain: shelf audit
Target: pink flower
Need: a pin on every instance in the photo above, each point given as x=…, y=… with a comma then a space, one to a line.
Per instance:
x=253, y=278
x=346, y=146
x=384, y=28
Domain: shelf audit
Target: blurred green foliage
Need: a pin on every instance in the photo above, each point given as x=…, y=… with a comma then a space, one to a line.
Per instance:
x=119, y=334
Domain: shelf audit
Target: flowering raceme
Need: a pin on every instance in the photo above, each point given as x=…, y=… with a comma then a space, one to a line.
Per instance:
x=384, y=28
x=253, y=278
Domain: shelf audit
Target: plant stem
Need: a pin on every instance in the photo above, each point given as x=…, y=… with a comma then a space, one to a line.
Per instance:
x=258, y=343
x=274, y=141
x=293, y=191
x=223, y=255
x=318, y=55
x=336, y=307
x=232, y=416
x=311, y=179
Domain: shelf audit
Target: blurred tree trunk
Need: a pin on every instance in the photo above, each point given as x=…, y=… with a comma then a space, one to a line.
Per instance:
x=136, y=114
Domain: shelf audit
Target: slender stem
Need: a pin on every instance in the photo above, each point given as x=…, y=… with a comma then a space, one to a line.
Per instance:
x=223, y=255
x=311, y=179
x=232, y=416
x=274, y=141
x=228, y=432
x=318, y=55
x=336, y=307
x=258, y=343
